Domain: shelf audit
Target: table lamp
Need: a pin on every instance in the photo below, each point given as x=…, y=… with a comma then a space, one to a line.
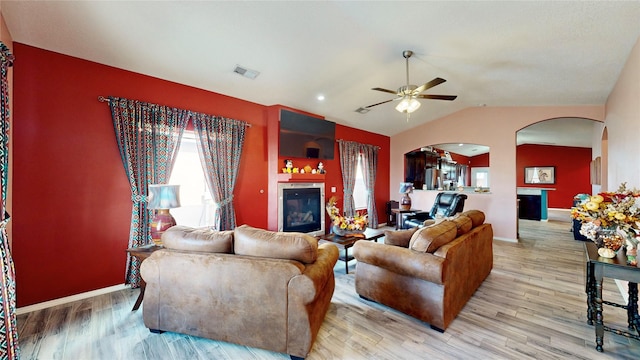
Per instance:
x=162, y=197
x=405, y=189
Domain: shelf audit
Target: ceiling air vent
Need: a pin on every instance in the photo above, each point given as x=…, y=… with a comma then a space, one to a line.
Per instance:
x=248, y=73
x=362, y=110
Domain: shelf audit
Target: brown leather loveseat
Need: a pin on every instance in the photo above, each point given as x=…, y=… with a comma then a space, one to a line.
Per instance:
x=249, y=286
x=429, y=273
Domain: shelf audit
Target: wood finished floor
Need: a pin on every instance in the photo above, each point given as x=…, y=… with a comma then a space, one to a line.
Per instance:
x=532, y=306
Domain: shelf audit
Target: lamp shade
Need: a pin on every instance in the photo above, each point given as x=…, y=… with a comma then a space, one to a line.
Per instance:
x=406, y=188
x=408, y=105
x=162, y=196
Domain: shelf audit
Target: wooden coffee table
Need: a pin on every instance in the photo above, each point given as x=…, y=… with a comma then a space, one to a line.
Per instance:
x=345, y=242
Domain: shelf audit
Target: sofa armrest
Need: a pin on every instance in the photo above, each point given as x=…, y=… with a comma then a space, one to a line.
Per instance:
x=402, y=261
x=315, y=276
x=471, y=255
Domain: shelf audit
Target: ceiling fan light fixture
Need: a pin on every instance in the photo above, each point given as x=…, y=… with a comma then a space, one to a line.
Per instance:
x=408, y=105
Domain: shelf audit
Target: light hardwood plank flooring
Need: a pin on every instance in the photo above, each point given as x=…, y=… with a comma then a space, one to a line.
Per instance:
x=532, y=306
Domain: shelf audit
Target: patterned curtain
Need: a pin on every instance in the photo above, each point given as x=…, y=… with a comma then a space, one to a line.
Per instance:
x=148, y=137
x=349, y=153
x=220, y=143
x=370, y=167
x=9, y=348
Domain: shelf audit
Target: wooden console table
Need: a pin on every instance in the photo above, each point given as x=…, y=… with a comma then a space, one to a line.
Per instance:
x=142, y=253
x=616, y=268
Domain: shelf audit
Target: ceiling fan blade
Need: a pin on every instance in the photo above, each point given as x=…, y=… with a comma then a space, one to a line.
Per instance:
x=429, y=85
x=380, y=103
x=437, y=97
x=385, y=90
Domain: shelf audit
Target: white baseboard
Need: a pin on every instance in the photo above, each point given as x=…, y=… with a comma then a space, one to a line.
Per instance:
x=505, y=239
x=72, y=298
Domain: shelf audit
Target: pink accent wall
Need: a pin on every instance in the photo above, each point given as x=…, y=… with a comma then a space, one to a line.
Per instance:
x=495, y=127
x=623, y=125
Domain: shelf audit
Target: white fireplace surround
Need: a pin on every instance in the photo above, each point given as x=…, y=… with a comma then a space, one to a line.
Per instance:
x=297, y=185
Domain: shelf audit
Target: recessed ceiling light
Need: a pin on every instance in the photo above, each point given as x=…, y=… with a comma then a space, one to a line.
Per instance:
x=460, y=144
x=320, y=97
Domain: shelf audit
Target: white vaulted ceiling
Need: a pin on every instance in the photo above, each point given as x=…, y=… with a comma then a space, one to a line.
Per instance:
x=494, y=53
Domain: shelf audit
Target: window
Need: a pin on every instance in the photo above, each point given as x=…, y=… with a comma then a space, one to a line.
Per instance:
x=196, y=204
x=480, y=177
x=360, y=189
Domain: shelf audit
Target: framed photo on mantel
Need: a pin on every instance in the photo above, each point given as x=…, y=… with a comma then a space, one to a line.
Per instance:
x=540, y=175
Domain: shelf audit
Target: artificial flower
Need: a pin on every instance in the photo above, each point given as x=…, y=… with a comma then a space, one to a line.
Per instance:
x=351, y=223
x=619, y=210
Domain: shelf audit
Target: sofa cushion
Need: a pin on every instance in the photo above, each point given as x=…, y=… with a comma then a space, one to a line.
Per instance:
x=399, y=237
x=429, y=222
x=429, y=239
x=186, y=238
x=463, y=224
x=476, y=216
x=278, y=245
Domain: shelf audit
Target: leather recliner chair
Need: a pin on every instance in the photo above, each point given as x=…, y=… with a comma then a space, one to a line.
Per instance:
x=446, y=204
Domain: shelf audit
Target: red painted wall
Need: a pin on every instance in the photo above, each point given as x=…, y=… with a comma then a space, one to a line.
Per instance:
x=479, y=160
x=572, y=170
x=72, y=206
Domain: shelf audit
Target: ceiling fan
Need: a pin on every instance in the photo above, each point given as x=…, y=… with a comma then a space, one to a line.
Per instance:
x=408, y=94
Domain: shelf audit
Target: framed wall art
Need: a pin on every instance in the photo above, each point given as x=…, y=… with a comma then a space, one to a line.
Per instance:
x=540, y=175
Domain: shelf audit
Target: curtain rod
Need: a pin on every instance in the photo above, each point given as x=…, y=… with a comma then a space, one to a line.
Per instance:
x=107, y=100
x=375, y=146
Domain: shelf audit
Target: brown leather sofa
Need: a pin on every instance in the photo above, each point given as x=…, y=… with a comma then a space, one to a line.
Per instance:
x=428, y=273
x=249, y=286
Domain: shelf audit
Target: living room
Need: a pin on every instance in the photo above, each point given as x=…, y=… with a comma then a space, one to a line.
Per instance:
x=64, y=153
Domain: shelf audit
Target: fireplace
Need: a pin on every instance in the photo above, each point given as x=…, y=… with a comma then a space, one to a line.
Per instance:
x=301, y=208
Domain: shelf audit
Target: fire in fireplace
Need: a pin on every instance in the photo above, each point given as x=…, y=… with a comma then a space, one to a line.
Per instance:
x=301, y=208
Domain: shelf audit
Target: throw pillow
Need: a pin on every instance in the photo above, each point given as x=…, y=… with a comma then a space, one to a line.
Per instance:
x=463, y=224
x=278, y=245
x=186, y=238
x=476, y=216
x=429, y=239
x=399, y=237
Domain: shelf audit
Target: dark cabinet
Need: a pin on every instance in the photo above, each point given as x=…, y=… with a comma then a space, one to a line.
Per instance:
x=428, y=169
x=530, y=207
x=414, y=168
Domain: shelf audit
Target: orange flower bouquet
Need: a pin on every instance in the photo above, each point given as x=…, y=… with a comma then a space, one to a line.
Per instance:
x=345, y=225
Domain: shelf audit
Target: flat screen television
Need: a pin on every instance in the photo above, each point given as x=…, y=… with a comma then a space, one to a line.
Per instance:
x=303, y=136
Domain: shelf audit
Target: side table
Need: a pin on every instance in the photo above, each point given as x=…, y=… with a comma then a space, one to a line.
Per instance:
x=400, y=216
x=142, y=253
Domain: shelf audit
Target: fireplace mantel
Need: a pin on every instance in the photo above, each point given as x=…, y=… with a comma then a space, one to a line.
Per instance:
x=310, y=178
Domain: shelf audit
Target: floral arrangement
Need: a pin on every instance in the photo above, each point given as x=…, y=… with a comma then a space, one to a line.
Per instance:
x=348, y=223
x=619, y=210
